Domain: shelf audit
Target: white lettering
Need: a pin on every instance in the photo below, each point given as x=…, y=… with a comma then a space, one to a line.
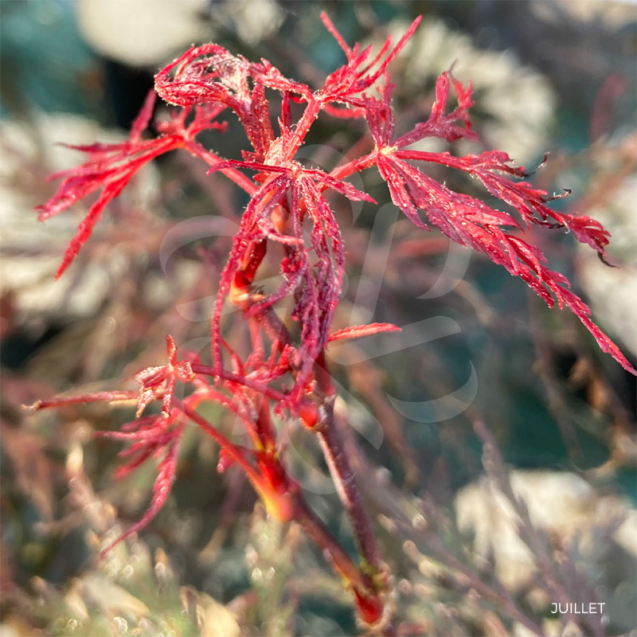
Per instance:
x=593, y=608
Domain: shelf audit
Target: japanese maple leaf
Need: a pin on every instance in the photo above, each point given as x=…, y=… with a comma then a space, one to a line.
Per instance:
x=150, y=437
x=110, y=167
x=470, y=221
x=317, y=287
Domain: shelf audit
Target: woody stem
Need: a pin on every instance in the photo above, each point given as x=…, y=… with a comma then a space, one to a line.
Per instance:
x=341, y=562
x=303, y=515
x=343, y=475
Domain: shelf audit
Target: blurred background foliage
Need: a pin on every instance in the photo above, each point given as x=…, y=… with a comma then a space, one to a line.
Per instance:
x=552, y=77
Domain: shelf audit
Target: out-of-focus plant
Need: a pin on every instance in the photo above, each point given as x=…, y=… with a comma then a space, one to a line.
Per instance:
x=283, y=374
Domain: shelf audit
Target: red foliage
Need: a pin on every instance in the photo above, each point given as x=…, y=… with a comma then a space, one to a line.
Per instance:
x=152, y=437
x=112, y=166
x=159, y=382
x=285, y=372
x=471, y=222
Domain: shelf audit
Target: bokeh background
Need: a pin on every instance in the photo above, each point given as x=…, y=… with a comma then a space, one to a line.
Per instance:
x=467, y=558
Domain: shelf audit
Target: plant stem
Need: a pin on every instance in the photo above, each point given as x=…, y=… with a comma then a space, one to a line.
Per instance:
x=212, y=160
x=347, y=488
x=303, y=126
x=333, y=550
x=343, y=475
x=236, y=453
x=301, y=513
x=206, y=370
x=108, y=396
x=356, y=165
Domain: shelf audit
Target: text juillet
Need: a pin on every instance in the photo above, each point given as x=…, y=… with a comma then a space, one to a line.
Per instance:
x=593, y=608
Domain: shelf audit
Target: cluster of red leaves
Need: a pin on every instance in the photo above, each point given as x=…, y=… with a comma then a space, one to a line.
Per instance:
x=469, y=221
x=284, y=372
x=110, y=167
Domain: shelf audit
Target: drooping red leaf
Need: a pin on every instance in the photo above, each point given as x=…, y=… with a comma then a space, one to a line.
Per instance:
x=110, y=167
x=167, y=445
x=469, y=221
